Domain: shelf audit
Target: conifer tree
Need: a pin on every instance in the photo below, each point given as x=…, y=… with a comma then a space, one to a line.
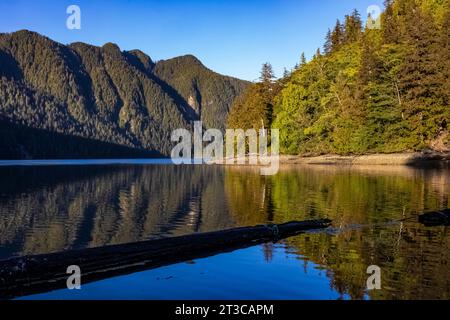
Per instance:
x=389, y=23
x=370, y=66
x=352, y=27
x=444, y=59
x=302, y=59
x=328, y=46
x=318, y=53
x=267, y=74
x=420, y=75
x=337, y=36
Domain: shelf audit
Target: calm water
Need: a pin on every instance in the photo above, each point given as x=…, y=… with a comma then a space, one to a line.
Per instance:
x=50, y=208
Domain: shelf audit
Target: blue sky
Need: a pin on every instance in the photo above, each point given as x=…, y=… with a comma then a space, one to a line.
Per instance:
x=232, y=37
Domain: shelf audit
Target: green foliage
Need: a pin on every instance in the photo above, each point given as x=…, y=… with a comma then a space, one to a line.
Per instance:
x=373, y=90
x=206, y=94
x=254, y=108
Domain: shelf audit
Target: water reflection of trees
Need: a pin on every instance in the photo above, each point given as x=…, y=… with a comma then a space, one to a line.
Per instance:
x=361, y=201
x=48, y=209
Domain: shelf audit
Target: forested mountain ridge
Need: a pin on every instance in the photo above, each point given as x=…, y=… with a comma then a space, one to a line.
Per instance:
x=381, y=89
x=208, y=93
x=103, y=93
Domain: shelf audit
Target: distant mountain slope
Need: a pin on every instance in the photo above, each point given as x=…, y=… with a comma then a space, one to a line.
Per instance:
x=208, y=93
x=105, y=94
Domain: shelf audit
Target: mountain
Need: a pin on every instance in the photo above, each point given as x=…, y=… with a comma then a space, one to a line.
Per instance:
x=104, y=94
x=209, y=94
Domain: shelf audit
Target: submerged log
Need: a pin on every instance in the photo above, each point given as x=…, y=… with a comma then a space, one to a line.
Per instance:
x=41, y=273
x=436, y=218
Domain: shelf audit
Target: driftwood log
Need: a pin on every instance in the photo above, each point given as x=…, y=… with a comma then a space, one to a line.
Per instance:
x=41, y=273
x=436, y=218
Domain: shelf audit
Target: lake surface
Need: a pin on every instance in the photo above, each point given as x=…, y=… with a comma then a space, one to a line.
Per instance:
x=52, y=207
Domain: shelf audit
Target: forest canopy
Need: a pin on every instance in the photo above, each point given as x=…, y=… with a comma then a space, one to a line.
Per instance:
x=368, y=90
x=103, y=95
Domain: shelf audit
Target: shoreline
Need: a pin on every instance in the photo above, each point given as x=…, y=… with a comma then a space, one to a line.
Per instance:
x=404, y=158
x=379, y=159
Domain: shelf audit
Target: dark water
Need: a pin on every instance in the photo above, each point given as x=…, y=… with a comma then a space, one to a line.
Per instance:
x=374, y=211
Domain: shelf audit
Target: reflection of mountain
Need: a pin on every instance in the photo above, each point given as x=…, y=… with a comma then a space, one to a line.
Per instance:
x=45, y=209
x=105, y=205
x=361, y=201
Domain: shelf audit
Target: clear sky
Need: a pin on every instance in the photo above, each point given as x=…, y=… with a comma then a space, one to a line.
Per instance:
x=232, y=37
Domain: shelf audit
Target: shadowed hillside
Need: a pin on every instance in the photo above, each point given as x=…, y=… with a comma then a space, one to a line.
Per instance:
x=105, y=94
